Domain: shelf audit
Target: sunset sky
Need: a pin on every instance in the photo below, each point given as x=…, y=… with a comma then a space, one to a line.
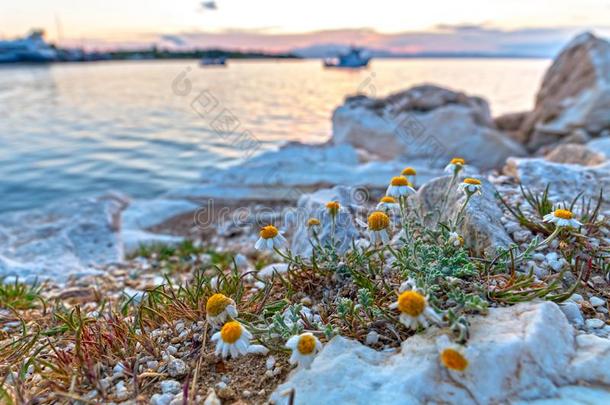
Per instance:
x=501, y=26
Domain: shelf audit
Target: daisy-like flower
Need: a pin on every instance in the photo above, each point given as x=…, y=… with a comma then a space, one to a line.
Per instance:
x=333, y=208
x=387, y=203
x=304, y=348
x=232, y=339
x=561, y=217
x=455, y=165
x=453, y=359
x=409, y=171
x=452, y=356
x=414, y=310
x=471, y=186
x=378, y=223
x=455, y=239
x=269, y=238
x=399, y=187
x=218, y=308
x=311, y=222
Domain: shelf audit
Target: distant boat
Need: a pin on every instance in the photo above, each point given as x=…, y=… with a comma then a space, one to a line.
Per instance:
x=219, y=61
x=353, y=59
x=32, y=48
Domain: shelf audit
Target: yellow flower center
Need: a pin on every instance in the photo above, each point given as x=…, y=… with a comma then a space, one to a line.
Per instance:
x=454, y=360
x=563, y=214
x=268, y=232
x=307, y=344
x=333, y=207
x=470, y=180
x=216, y=304
x=458, y=161
x=312, y=222
x=231, y=332
x=399, y=181
x=387, y=199
x=411, y=303
x=409, y=171
x=378, y=221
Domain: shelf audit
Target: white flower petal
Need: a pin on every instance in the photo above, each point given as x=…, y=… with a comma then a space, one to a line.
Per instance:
x=293, y=342
x=233, y=351
x=225, y=349
x=258, y=349
x=232, y=311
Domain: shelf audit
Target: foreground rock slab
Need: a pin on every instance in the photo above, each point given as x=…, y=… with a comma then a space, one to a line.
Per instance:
x=481, y=228
x=565, y=180
x=526, y=353
x=62, y=239
x=314, y=206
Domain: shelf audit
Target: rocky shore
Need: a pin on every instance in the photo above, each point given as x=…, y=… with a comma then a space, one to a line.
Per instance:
x=531, y=318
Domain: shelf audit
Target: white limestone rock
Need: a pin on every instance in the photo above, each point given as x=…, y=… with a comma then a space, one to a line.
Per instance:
x=270, y=269
x=426, y=123
x=575, y=93
x=600, y=145
x=62, y=239
x=297, y=169
x=566, y=180
x=526, y=353
x=314, y=206
x=482, y=228
x=141, y=215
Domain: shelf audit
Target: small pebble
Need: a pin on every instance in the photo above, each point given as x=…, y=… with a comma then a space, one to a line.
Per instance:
x=152, y=364
x=161, y=399
x=176, y=368
x=170, y=387
x=372, y=337
x=597, y=302
x=270, y=362
x=594, y=323
x=212, y=398
x=121, y=390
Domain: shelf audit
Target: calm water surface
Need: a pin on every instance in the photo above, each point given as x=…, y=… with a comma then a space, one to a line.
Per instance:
x=69, y=130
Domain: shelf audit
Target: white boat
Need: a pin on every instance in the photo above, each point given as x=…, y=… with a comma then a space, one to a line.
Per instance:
x=353, y=59
x=32, y=48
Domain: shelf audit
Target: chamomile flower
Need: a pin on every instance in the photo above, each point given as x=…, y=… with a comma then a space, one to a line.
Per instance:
x=471, y=186
x=218, y=308
x=269, y=238
x=408, y=171
x=400, y=187
x=561, y=217
x=387, y=203
x=378, y=224
x=304, y=348
x=333, y=208
x=455, y=239
x=452, y=356
x=414, y=310
x=455, y=165
x=232, y=339
x=313, y=222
